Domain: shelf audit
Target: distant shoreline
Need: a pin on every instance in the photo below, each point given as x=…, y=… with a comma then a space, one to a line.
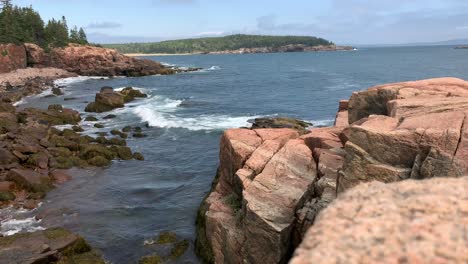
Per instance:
x=157, y=54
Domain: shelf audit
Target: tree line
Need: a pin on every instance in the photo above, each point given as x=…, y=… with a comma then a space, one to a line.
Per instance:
x=24, y=25
x=233, y=42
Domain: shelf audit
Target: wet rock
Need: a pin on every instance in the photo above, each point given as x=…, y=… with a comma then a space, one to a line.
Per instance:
x=99, y=125
x=130, y=94
x=30, y=180
x=59, y=176
x=153, y=259
x=55, y=245
x=116, y=132
x=99, y=161
x=109, y=117
x=77, y=129
x=138, y=156
x=55, y=107
x=166, y=238
x=108, y=99
x=91, y=118
x=127, y=129
x=281, y=122
x=139, y=135
x=179, y=249
x=57, y=91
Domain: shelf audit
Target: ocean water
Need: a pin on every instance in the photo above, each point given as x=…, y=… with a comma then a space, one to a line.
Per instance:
x=116, y=209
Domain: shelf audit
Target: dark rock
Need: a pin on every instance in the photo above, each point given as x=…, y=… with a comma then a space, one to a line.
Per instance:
x=153, y=259
x=109, y=117
x=91, y=118
x=280, y=122
x=98, y=125
x=127, y=129
x=6, y=196
x=99, y=161
x=138, y=156
x=57, y=91
x=55, y=107
x=179, y=249
x=116, y=132
x=139, y=135
x=77, y=129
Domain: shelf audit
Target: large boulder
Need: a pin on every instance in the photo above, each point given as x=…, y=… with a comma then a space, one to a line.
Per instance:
x=406, y=222
x=36, y=56
x=108, y=99
x=12, y=57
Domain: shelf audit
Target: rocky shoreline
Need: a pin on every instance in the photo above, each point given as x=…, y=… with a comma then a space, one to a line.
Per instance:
x=284, y=49
x=273, y=184
x=35, y=156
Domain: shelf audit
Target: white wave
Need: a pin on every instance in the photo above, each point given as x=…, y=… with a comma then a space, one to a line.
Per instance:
x=20, y=102
x=324, y=122
x=214, y=68
x=10, y=227
x=204, y=122
x=143, y=90
x=71, y=80
x=170, y=65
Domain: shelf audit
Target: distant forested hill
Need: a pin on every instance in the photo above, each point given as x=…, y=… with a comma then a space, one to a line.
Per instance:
x=233, y=42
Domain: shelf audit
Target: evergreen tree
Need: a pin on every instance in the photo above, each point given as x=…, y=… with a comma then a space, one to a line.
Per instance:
x=74, y=38
x=56, y=33
x=5, y=3
x=82, y=37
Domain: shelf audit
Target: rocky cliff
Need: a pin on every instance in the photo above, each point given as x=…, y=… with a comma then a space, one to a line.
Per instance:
x=272, y=183
x=82, y=60
x=12, y=57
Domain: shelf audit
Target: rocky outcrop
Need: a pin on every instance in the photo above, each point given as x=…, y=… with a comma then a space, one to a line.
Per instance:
x=12, y=57
x=108, y=99
x=87, y=60
x=33, y=153
x=407, y=130
x=273, y=183
x=55, y=245
x=406, y=222
x=265, y=178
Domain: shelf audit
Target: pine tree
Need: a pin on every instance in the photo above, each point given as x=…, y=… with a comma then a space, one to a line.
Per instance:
x=74, y=37
x=5, y=3
x=56, y=33
x=83, y=39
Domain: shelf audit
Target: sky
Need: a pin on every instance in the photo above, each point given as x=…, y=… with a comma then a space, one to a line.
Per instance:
x=341, y=21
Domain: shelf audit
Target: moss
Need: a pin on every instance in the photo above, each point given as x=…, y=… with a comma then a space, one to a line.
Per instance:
x=166, y=238
x=112, y=141
x=138, y=156
x=234, y=201
x=202, y=244
x=116, y=132
x=79, y=247
x=179, y=249
x=84, y=258
x=7, y=196
x=60, y=151
x=99, y=161
x=55, y=233
x=98, y=107
x=127, y=129
x=92, y=150
x=4, y=53
x=123, y=153
x=154, y=259
x=137, y=129
x=70, y=134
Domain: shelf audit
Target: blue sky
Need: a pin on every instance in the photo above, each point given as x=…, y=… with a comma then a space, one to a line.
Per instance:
x=342, y=21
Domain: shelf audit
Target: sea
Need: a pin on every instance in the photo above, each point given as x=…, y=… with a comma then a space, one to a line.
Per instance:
x=121, y=208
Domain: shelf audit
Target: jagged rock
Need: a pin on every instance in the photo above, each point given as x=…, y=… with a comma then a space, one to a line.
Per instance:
x=410, y=221
x=107, y=99
x=420, y=132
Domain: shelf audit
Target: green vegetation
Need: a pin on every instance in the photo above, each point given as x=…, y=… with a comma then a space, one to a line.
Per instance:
x=203, y=45
x=24, y=25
